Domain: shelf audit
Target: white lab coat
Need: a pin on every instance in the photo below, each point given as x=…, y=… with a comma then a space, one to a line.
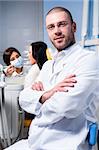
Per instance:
x=31, y=75
x=62, y=122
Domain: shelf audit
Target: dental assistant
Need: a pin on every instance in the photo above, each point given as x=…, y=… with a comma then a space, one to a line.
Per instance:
x=63, y=113
x=14, y=61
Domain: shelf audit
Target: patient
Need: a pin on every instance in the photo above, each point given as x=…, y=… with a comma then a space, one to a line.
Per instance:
x=14, y=61
x=37, y=57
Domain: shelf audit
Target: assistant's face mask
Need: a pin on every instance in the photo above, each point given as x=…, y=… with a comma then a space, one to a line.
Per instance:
x=17, y=63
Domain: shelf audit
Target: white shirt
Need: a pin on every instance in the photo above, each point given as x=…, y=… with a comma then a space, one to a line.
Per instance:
x=14, y=74
x=32, y=75
x=62, y=122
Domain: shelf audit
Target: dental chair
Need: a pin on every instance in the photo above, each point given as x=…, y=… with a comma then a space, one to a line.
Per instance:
x=92, y=137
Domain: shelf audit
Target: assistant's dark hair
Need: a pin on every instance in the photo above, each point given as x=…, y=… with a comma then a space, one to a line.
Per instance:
x=39, y=53
x=56, y=9
x=7, y=54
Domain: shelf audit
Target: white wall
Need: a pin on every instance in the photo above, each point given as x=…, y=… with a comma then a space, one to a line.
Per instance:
x=21, y=23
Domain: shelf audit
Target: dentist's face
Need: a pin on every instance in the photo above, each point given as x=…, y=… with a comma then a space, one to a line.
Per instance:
x=14, y=56
x=60, y=29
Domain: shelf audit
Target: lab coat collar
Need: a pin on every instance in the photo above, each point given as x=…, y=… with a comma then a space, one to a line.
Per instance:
x=62, y=57
x=68, y=50
x=17, y=74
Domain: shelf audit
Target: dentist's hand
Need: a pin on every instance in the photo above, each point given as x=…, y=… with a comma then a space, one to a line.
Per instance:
x=9, y=70
x=69, y=81
x=38, y=86
x=60, y=87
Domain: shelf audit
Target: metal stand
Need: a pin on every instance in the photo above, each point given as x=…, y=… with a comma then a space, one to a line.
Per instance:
x=3, y=117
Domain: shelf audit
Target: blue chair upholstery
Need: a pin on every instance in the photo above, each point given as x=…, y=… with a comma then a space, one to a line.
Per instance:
x=93, y=132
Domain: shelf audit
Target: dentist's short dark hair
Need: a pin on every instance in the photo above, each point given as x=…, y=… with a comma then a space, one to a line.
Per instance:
x=56, y=9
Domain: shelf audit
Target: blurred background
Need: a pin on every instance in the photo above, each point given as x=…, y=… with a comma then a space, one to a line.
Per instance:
x=23, y=22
